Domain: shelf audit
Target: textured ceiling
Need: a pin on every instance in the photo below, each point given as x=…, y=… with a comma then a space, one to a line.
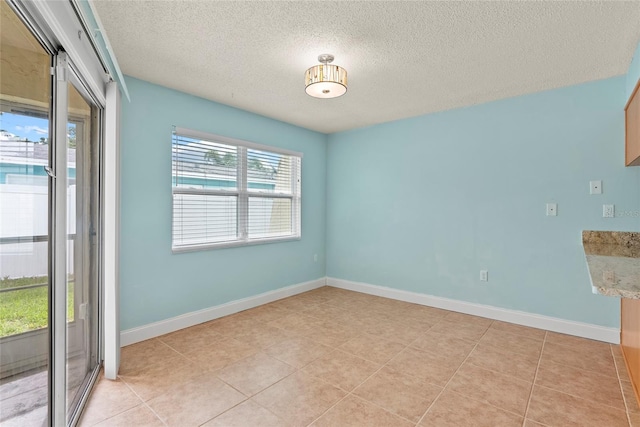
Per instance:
x=403, y=58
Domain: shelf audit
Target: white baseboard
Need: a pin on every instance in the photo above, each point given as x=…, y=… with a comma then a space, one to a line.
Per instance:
x=152, y=330
x=585, y=330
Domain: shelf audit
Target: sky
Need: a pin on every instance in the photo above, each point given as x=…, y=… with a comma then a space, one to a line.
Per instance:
x=32, y=128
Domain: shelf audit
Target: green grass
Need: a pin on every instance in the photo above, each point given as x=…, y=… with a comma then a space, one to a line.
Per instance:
x=6, y=282
x=26, y=309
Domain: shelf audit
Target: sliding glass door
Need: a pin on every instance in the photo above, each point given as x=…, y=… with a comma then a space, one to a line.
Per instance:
x=82, y=245
x=50, y=156
x=25, y=108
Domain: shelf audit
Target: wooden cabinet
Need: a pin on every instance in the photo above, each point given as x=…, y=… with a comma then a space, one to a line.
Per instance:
x=630, y=340
x=632, y=128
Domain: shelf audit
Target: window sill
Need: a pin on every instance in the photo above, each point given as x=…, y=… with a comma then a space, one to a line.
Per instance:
x=233, y=244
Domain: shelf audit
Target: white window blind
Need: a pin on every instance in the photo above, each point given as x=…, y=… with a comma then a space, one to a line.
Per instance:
x=228, y=192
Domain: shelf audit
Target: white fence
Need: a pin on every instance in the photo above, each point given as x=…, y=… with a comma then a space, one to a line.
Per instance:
x=24, y=214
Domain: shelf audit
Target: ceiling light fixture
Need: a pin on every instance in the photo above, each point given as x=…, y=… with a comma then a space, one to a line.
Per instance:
x=325, y=80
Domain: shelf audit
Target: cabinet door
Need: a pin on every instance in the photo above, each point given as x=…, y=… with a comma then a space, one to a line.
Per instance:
x=632, y=134
x=630, y=339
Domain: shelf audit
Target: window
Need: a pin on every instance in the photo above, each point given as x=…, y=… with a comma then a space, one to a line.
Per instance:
x=228, y=192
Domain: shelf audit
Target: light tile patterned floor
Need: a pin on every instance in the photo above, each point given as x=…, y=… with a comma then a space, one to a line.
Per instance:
x=331, y=357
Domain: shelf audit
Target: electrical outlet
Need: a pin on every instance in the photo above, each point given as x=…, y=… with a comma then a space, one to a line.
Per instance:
x=484, y=275
x=608, y=211
x=552, y=209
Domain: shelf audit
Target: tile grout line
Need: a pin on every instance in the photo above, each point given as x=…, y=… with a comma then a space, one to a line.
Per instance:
x=585, y=399
x=232, y=407
x=143, y=402
x=464, y=361
x=624, y=398
x=214, y=372
x=535, y=378
x=499, y=372
x=348, y=393
x=500, y=349
x=178, y=353
x=591, y=371
x=381, y=407
x=581, y=397
x=365, y=380
x=425, y=382
x=247, y=398
x=264, y=407
x=156, y=339
x=330, y=303
x=438, y=321
x=123, y=411
x=296, y=370
x=454, y=374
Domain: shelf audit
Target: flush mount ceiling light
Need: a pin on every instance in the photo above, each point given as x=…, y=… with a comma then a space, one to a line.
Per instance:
x=325, y=80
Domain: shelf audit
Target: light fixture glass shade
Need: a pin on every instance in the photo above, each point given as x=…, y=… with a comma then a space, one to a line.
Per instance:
x=326, y=81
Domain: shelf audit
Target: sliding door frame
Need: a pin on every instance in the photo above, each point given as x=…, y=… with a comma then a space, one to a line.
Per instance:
x=90, y=230
x=58, y=245
x=58, y=28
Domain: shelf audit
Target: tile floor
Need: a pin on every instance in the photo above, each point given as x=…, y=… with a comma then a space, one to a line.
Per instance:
x=331, y=357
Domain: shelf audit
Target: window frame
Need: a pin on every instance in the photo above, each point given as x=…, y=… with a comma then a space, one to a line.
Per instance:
x=241, y=192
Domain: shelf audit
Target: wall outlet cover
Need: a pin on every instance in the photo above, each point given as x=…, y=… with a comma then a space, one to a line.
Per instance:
x=608, y=211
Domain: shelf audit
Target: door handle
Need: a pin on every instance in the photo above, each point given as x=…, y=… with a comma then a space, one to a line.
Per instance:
x=49, y=172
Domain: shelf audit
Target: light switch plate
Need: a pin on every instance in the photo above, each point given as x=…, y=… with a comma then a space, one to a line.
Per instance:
x=595, y=187
x=552, y=209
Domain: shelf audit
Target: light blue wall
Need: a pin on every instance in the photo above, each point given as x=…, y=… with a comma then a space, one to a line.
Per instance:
x=420, y=204
x=634, y=72
x=424, y=204
x=156, y=284
x=633, y=75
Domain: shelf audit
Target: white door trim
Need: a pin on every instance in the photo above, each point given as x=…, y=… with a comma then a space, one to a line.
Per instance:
x=111, y=215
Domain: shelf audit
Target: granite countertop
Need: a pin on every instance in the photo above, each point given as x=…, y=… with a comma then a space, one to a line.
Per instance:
x=613, y=258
